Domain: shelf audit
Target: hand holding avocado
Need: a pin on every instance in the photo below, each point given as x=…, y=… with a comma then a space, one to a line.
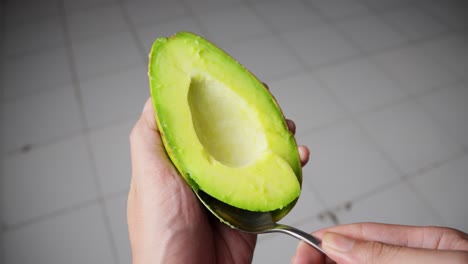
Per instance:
x=166, y=222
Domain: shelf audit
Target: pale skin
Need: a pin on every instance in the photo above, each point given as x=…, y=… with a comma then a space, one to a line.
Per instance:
x=167, y=224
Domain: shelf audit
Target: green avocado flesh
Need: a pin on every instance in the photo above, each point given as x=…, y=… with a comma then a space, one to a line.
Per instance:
x=221, y=128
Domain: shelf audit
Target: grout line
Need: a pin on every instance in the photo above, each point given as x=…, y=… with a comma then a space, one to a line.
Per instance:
x=38, y=92
x=430, y=13
x=367, y=54
x=195, y=17
x=411, y=42
x=432, y=166
x=88, y=144
x=133, y=30
x=86, y=8
x=2, y=145
x=29, y=147
x=426, y=202
x=2, y=121
x=240, y=3
x=62, y=211
x=47, y=216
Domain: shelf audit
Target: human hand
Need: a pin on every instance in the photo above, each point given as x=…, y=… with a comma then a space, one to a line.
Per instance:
x=166, y=222
x=365, y=243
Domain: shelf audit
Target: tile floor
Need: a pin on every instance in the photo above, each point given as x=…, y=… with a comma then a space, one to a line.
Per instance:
x=378, y=90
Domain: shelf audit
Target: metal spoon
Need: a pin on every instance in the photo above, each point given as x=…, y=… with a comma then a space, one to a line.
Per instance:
x=255, y=222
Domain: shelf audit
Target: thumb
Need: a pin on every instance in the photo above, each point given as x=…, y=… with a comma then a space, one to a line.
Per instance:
x=345, y=250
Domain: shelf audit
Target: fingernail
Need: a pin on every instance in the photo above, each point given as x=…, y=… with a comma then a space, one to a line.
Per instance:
x=337, y=242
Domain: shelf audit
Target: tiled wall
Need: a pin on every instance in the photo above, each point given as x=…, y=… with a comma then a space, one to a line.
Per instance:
x=378, y=91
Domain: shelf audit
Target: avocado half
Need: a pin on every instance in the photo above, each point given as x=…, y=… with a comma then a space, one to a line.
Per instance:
x=221, y=128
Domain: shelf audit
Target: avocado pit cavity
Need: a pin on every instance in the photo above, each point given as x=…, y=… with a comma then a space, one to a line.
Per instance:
x=225, y=125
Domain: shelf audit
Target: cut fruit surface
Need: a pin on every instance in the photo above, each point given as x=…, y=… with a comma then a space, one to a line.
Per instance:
x=221, y=128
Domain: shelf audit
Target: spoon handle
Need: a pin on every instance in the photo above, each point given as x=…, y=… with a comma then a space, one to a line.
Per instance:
x=299, y=234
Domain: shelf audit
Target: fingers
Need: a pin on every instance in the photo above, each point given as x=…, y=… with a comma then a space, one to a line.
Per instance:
x=303, y=150
x=291, y=126
x=303, y=154
x=411, y=236
x=346, y=250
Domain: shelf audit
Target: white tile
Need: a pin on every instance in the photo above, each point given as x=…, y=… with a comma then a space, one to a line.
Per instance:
x=265, y=57
x=335, y=9
x=344, y=164
x=450, y=51
x=148, y=34
x=115, y=97
x=413, y=22
x=303, y=100
x=47, y=179
x=395, y=205
x=39, y=71
x=449, y=108
x=451, y=13
x=2, y=247
x=106, y=54
x=150, y=12
x=33, y=36
x=75, y=237
x=74, y=6
x=445, y=189
x=413, y=69
x=320, y=45
x=21, y=12
x=233, y=24
x=204, y=6
x=290, y=15
x=275, y=249
x=384, y=5
x=409, y=136
x=360, y=85
x=111, y=153
x=117, y=212
x=370, y=33
x=40, y=118
x=94, y=22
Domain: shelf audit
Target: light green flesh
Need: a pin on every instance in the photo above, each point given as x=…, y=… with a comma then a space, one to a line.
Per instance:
x=221, y=128
x=224, y=125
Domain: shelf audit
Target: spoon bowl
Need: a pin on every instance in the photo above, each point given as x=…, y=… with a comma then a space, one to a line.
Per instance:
x=255, y=222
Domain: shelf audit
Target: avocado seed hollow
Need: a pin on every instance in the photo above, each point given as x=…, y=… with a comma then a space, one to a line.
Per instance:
x=225, y=125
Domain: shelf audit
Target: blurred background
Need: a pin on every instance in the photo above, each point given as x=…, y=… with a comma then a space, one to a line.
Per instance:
x=378, y=90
